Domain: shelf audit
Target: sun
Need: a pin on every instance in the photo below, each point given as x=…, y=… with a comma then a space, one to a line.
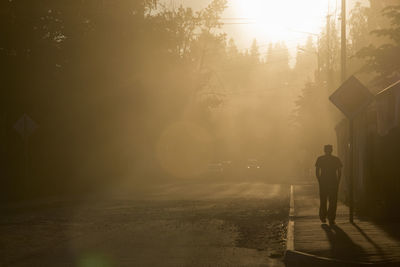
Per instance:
x=280, y=20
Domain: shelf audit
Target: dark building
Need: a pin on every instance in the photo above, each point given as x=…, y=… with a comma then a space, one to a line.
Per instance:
x=376, y=148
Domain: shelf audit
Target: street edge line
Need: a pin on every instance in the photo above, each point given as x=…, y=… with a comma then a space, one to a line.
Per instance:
x=290, y=228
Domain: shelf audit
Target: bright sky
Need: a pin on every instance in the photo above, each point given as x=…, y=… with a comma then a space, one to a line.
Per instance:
x=276, y=20
x=272, y=20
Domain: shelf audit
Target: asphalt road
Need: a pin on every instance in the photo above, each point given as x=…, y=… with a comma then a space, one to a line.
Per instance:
x=227, y=224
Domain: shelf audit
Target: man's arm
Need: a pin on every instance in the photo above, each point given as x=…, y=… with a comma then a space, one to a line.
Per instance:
x=317, y=169
x=318, y=172
x=339, y=170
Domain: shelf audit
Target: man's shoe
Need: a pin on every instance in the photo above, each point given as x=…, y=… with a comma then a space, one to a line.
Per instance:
x=331, y=222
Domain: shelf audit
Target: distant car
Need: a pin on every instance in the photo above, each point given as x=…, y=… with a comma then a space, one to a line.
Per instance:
x=253, y=164
x=226, y=165
x=215, y=168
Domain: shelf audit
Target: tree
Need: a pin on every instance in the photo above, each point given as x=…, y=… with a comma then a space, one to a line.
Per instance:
x=87, y=72
x=306, y=61
x=313, y=120
x=254, y=52
x=358, y=28
x=233, y=51
x=384, y=59
x=277, y=64
x=329, y=52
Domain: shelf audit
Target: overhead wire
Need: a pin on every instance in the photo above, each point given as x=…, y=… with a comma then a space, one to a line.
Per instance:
x=264, y=53
x=265, y=63
x=292, y=41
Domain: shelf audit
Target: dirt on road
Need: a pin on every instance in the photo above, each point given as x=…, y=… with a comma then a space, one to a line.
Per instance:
x=176, y=225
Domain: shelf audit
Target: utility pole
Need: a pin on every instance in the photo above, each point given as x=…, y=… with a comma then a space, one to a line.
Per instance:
x=343, y=42
x=351, y=120
x=318, y=60
x=328, y=52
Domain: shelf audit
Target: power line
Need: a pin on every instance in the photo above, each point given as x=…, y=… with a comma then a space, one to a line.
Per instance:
x=292, y=41
x=289, y=41
x=238, y=18
x=263, y=64
x=210, y=51
x=238, y=23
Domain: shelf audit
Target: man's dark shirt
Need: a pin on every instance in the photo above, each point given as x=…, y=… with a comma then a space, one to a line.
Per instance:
x=329, y=165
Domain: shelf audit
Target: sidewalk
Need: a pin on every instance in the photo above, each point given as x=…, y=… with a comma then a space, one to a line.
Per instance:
x=346, y=244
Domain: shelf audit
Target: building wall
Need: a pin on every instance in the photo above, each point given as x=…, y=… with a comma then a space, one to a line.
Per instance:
x=376, y=169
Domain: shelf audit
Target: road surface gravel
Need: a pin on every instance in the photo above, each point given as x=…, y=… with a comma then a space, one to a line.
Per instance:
x=227, y=224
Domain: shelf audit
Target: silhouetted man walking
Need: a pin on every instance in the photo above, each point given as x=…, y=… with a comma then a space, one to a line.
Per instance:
x=328, y=171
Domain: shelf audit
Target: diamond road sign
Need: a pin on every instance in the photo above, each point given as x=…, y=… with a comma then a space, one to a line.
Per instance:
x=351, y=97
x=25, y=126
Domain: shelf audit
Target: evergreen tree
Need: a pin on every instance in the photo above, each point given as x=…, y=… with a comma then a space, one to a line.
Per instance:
x=254, y=52
x=233, y=51
x=384, y=59
x=306, y=61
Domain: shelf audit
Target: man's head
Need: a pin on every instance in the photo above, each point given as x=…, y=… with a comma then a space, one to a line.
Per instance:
x=328, y=149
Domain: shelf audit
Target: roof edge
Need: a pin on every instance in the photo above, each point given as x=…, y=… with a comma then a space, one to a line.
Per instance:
x=393, y=86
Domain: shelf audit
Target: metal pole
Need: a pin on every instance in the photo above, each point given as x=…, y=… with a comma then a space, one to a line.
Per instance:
x=351, y=122
x=26, y=152
x=350, y=172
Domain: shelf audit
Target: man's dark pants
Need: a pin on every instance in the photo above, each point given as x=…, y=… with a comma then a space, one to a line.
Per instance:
x=328, y=191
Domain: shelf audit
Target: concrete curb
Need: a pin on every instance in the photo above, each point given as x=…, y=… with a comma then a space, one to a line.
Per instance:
x=290, y=228
x=297, y=258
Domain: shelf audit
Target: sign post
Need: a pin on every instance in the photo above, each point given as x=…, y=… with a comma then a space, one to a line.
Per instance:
x=351, y=98
x=351, y=169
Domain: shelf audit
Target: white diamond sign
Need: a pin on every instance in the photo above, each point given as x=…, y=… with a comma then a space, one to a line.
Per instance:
x=25, y=126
